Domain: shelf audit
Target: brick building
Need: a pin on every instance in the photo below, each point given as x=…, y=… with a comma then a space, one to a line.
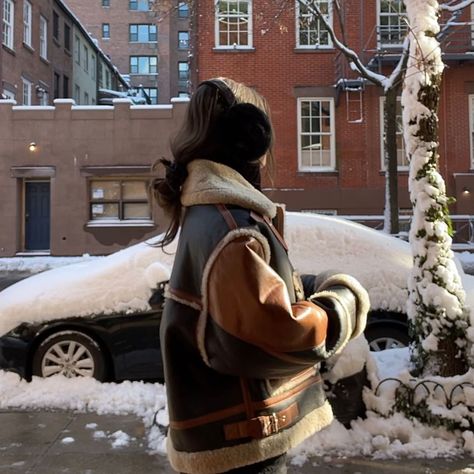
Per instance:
x=38, y=57
x=329, y=139
x=148, y=43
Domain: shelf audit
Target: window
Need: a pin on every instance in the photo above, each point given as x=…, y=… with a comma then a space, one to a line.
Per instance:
x=119, y=200
x=27, y=91
x=392, y=26
x=44, y=98
x=152, y=93
x=86, y=98
x=108, y=82
x=316, y=137
x=77, y=49
x=183, y=95
x=183, y=71
x=183, y=10
x=66, y=86
x=86, y=58
x=402, y=161
x=27, y=19
x=56, y=85
x=183, y=39
x=67, y=37
x=8, y=94
x=93, y=67
x=55, y=25
x=140, y=5
x=142, y=33
x=43, y=37
x=105, y=30
x=310, y=31
x=143, y=65
x=8, y=16
x=77, y=94
x=471, y=127
x=234, y=23
x=106, y=3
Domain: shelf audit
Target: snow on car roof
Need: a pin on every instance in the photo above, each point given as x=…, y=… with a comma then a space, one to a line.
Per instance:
x=123, y=281
x=379, y=261
x=120, y=282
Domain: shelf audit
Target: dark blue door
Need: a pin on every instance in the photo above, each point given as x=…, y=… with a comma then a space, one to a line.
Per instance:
x=37, y=215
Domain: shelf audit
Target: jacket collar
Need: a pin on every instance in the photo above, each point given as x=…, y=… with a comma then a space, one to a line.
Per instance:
x=214, y=183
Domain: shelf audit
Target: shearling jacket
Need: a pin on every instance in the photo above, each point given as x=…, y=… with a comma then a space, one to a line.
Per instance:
x=241, y=344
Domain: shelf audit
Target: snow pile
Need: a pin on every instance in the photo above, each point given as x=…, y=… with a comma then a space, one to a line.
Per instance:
x=39, y=264
x=121, y=282
x=376, y=436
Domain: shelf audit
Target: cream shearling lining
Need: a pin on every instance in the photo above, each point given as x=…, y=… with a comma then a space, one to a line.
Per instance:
x=363, y=301
x=224, y=459
x=214, y=183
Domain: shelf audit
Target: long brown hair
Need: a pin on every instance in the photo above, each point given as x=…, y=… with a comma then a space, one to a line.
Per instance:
x=197, y=139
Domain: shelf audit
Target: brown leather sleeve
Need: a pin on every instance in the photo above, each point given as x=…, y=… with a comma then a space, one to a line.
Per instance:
x=250, y=301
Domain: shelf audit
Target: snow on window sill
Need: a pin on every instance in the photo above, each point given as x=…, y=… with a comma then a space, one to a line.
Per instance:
x=232, y=49
x=33, y=253
x=119, y=223
x=314, y=49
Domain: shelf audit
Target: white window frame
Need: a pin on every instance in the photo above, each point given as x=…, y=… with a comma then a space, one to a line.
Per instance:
x=471, y=129
x=318, y=25
x=138, y=73
x=250, y=27
x=27, y=23
x=332, y=133
x=8, y=23
x=43, y=32
x=27, y=91
x=404, y=167
x=44, y=99
x=120, y=201
x=379, y=26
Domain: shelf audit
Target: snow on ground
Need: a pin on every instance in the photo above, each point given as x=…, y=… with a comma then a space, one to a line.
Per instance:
x=376, y=437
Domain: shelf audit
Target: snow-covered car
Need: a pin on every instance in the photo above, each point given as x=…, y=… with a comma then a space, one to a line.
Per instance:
x=101, y=317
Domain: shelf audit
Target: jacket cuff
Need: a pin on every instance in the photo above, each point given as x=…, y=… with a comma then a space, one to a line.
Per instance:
x=362, y=298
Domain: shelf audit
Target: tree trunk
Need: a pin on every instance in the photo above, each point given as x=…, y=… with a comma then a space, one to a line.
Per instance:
x=391, y=224
x=435, y=307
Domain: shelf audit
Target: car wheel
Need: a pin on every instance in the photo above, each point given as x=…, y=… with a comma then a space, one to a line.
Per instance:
x=386, y=337
x=69, y=353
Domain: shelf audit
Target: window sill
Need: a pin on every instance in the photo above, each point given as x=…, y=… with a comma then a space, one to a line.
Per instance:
x=56, y=42
x=117, y=223
x=314, y=49
x=232, y=49
x=400, y=171
x=33, y=253
x=45, y=60
x=28, y=47
x=322, y=172
x=8, y=49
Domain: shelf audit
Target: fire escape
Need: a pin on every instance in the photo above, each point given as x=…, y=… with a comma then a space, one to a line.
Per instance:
x=381, y=51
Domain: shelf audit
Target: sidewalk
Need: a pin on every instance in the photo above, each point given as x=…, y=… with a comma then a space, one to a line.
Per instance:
x=63, y=442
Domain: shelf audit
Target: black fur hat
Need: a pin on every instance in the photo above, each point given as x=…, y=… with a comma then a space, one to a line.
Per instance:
x=245, y=132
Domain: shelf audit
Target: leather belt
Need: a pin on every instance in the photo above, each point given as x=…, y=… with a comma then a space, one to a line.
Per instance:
x=262, y=426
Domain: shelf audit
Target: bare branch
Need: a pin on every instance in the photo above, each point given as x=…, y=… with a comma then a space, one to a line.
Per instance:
x=352, y=56
x=452, y=7
x=399, y=72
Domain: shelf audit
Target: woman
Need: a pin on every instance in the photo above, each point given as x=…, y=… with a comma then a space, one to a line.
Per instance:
x=240, y=342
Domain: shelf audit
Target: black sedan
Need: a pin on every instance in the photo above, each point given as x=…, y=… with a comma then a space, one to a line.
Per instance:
x=107, y=347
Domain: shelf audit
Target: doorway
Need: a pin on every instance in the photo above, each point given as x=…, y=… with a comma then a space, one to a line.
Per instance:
x=37, y=215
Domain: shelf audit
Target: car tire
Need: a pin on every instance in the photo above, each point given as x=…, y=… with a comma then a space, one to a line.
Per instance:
x=386, y=337
x=70, y=353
